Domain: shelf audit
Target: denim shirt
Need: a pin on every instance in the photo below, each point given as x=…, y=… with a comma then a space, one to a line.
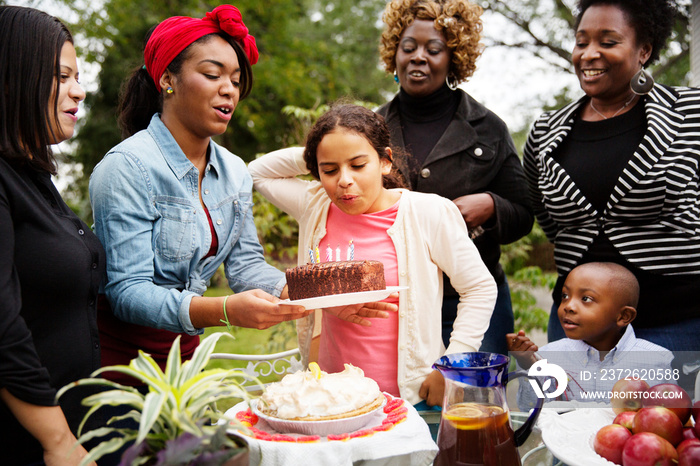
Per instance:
x=148, y=216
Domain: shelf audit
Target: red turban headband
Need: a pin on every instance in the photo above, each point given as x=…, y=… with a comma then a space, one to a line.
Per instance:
x=173, y=35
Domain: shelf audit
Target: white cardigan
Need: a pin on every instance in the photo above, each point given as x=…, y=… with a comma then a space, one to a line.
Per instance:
x=430, y=237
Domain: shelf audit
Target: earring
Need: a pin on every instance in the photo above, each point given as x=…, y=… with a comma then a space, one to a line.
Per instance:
x=169, y=90
x=642, y=82
x=396, y=77
x=452, y=86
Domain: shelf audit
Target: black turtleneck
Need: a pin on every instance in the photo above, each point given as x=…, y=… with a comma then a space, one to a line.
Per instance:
x=423, y=121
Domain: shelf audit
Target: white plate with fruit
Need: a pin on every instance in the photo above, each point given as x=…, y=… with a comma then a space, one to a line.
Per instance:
x=568, y=435
x=635, y=433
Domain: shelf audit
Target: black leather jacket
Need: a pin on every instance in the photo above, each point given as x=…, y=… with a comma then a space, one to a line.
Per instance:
x=475, y=154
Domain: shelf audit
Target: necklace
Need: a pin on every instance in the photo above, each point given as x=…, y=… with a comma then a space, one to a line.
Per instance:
x=624, y=106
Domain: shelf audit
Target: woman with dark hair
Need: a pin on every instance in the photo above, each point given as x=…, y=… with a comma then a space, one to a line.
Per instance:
x=456, y=147
x=171, y=205
x=613, y=177
x=51, y=263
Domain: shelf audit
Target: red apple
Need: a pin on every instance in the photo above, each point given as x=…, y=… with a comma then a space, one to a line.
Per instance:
x=697, y=429
x=648, y=449
x=671, y=396
x=661, y=421
x=687, y=443
x=609, y=441
x=626, y=394
x=690, y=456
x=689, y=433
x=625, y=419
x=695, y=410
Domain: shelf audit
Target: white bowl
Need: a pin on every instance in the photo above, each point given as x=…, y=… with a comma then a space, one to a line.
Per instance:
x=321, y=428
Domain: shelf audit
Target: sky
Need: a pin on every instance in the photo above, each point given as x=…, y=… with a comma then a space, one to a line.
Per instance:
x=514, y=85
x=512, y=82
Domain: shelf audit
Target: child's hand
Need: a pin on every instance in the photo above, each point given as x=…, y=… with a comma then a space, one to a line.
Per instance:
x=433, y=388
x=522, y=348
x=356, y=313
x=519, y=342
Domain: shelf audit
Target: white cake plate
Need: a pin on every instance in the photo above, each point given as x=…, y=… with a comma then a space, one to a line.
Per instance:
x=345, y=299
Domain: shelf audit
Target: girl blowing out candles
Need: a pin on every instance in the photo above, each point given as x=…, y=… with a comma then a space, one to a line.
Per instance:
x=417, y=236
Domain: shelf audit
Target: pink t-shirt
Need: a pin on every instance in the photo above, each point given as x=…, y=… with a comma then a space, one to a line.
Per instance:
x=373, y=349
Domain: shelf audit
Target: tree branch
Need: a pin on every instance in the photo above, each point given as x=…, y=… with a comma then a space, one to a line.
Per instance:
x=505, y=10
x=529, y=48
x=671, y=63
x=565, y=13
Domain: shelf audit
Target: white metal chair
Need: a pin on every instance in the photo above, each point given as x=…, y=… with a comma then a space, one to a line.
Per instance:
x=264, y=365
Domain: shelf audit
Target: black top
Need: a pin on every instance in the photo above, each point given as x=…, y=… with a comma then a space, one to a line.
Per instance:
x=595, y=144
x=424, y=122
x=51, y=265
x=473, y=154
x=611, y=144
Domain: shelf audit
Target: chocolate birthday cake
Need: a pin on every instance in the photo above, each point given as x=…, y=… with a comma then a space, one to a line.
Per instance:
x=328, y=278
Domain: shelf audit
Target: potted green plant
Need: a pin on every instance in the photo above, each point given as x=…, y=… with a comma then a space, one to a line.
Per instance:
x=177, y=418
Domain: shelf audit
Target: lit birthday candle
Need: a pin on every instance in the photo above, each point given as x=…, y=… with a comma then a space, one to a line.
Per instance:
x=337, y=254
x=351, y=251
x=311, y=256
x=318, y=255
x=329, y=254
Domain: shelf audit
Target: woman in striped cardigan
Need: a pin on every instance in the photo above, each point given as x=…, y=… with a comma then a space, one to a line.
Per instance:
x=613, y=177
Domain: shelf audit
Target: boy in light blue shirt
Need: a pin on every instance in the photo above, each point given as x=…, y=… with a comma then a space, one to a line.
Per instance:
x=598, y=304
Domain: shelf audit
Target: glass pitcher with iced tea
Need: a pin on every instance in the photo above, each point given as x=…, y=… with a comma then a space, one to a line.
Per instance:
x=475, y=428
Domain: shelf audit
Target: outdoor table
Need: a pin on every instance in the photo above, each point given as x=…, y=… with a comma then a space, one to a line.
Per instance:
x=411, y=442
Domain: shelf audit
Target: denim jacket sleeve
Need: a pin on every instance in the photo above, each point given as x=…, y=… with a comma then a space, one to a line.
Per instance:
x=124, y=211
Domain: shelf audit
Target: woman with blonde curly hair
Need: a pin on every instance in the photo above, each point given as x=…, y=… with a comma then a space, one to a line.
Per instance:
x=456, y=147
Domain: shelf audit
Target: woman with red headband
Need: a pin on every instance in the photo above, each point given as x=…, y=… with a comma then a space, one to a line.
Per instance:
x=171, y=205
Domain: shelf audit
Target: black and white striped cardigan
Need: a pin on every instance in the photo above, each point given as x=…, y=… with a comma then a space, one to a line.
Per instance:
x=652, y=215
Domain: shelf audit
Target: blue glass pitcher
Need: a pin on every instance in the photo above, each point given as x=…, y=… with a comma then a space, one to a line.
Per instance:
x=475, y=428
